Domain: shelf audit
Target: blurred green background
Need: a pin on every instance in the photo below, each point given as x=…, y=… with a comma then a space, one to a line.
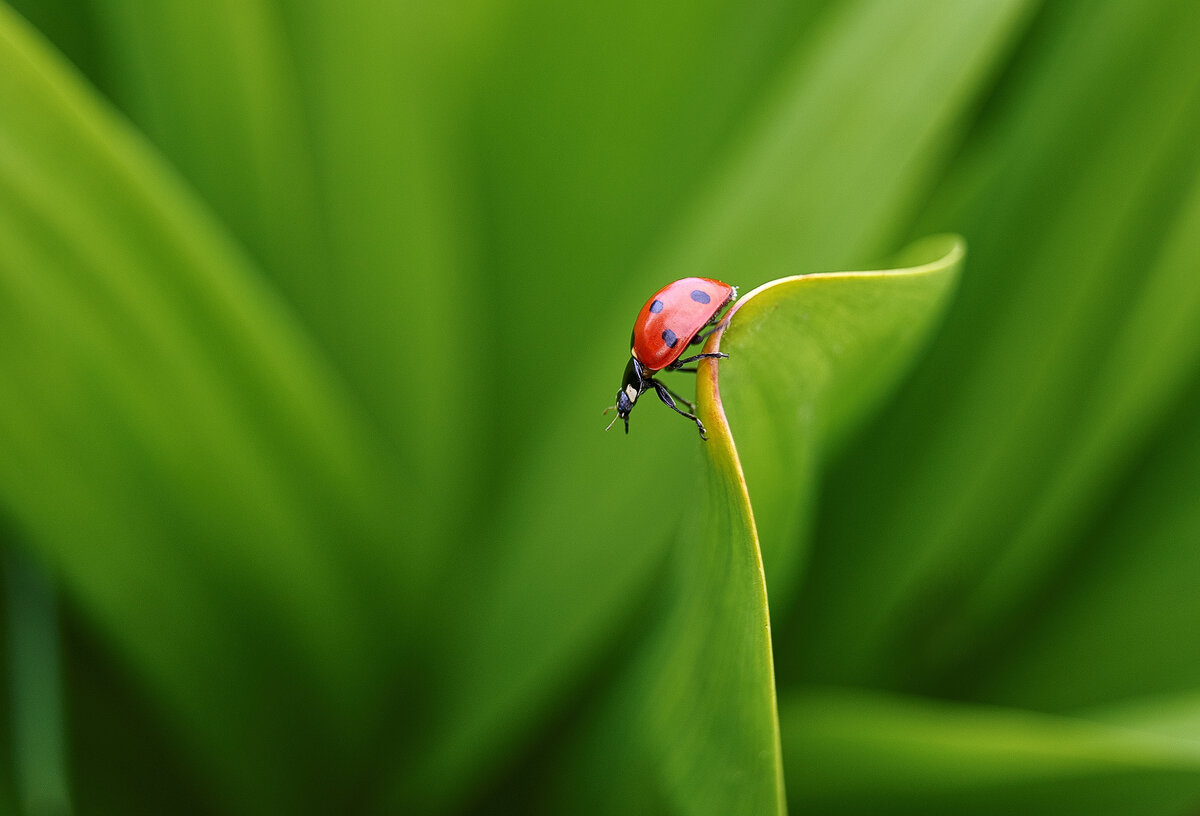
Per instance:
x=308, y=311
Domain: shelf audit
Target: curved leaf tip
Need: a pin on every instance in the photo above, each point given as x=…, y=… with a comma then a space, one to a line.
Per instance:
x=810, y=355
x=799, y=347
x=836, y=336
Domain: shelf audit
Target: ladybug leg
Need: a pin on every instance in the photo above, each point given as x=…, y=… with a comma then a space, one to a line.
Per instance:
x=710, y=355
x=664, y=394
x=678, y=398
x=711, y=325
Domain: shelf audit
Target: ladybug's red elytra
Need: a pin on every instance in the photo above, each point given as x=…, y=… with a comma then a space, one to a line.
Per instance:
x=673, y=319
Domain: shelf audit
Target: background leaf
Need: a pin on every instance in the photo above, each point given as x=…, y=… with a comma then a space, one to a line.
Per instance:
x=865, y=752
x=35, y=669
x=1044, y=380
x=206, y=453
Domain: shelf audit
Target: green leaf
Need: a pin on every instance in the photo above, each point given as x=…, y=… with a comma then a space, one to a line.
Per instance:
x=226, y=70
x=1071, y=340
x=864, y=752
x=177, y=450
x=35, y=671
x=327, y=152
x=693, y=727
x=695, y=716
x=556, y=495
x=852, y=130
x=402, y=308
x=814, y=354
x=1117, y=629
x=1176, y=716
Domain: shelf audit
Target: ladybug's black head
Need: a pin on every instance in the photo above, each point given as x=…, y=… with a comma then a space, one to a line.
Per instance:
x=632, y=387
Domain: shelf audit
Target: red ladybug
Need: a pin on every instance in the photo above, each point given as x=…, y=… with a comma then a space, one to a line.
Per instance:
x=671, y=320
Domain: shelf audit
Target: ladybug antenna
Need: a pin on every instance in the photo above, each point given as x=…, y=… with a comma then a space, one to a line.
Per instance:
x=614, y=419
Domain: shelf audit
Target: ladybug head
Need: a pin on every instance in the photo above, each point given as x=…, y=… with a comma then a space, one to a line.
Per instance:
x=632, y=387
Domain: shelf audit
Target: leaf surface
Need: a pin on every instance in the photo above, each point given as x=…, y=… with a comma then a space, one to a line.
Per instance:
x=1070, y=343
x=175, y=447
x=696, y=715
x=863, y=752
x=820, y=352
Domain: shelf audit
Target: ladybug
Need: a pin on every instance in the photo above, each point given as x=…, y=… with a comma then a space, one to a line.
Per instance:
x=672, y=320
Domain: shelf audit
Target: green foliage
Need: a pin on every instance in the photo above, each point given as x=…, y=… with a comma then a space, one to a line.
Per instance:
x=938, y=757
x=307, y=311
x=692, y=722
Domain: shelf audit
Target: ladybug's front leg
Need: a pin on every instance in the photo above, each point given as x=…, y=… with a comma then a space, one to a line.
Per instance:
x=664, y=394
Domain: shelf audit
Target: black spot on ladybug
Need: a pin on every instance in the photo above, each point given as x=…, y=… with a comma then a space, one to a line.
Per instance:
x=656, y=306
x=700, y=297
x=670, y=338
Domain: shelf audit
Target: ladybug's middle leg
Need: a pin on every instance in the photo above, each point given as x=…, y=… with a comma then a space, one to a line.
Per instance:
x=664, y=394
x=678, y=398
x=713, y=355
